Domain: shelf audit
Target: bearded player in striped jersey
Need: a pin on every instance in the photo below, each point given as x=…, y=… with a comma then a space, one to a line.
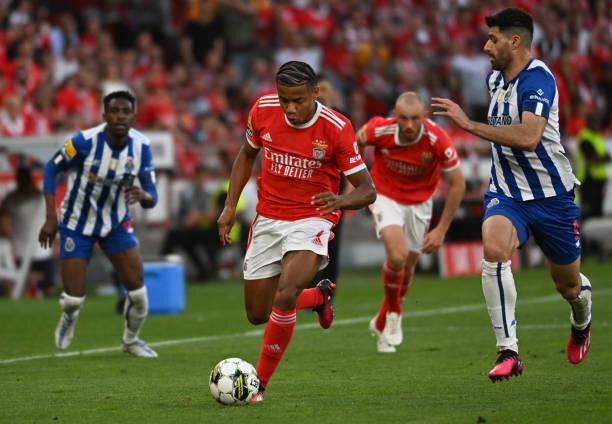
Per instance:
x=304, y=147
x=102, y=163
x=531, y=191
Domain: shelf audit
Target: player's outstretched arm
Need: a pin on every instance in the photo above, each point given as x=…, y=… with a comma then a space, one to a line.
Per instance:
x=363, y=195
x=523, y=136
x=456, y=188
x=49, y=228
x=241, y=172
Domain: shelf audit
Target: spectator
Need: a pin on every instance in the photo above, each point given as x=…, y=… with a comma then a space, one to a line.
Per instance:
x=591, y=170
x=14, y=121
x=196, y=225
x=21, y=213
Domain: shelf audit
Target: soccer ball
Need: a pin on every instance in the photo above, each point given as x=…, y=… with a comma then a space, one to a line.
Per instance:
x=233, y=381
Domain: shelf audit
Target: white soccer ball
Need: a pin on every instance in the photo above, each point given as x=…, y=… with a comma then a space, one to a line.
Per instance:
x=233, y=381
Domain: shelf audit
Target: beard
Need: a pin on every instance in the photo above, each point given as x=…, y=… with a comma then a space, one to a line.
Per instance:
x=500, y=62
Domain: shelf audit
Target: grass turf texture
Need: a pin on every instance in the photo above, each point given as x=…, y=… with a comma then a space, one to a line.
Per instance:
x=437, y=376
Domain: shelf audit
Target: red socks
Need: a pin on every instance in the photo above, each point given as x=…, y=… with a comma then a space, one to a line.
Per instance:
x=309, y=299
x=393, y=282
x=277, y=335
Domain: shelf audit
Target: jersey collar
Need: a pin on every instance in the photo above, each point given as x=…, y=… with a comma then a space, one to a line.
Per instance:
x=310, y=122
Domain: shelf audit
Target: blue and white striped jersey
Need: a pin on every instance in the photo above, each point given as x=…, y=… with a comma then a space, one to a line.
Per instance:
x=94, y=203
x=520, y=174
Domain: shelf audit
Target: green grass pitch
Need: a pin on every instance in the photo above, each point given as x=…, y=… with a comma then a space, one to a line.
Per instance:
x=437, y=376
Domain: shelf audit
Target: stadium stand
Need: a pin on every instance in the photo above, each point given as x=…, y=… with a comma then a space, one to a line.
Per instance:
x=195, y=66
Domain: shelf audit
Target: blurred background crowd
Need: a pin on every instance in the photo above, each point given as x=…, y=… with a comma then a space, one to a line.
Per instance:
x=196, y=66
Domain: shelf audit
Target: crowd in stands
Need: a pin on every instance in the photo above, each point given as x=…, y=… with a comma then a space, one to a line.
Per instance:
x=196, y=66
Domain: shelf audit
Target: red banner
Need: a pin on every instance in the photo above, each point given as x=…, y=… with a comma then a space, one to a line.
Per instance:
x=465, y=258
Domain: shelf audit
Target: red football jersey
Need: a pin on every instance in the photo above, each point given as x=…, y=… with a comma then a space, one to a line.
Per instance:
x=299, y=161
x=408, y=173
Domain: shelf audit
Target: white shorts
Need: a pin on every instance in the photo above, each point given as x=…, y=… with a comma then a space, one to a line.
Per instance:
x=413, y=219
x=270, y=239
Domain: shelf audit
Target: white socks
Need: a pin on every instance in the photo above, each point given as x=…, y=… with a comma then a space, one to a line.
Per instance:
x=135, y=312
x=71, y=305
x=500, y=296
x=581, y=306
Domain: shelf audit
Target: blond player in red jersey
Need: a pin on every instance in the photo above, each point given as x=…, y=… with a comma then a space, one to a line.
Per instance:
x=411, y=153
x=304, y=147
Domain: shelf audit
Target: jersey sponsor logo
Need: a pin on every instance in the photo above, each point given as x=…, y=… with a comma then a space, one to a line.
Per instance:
x=541, y=99
x=402, y=168
x=494, y=201
x=267, y=137
x=498, y=121
x=69, y=244
x=291, y=166
x=355, y=159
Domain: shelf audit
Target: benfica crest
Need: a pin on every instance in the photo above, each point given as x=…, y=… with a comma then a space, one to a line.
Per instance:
x=319, y=148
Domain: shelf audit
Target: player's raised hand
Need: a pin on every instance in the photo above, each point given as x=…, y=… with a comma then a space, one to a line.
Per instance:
x=327, y=202
x=451, y=110
x=433, y=240
x=48, y=232
x=225, y=224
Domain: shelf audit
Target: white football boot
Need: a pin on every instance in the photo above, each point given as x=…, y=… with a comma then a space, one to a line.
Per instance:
x=139, y=348
x=393, y=329
x=382, y=346
x=64, y=332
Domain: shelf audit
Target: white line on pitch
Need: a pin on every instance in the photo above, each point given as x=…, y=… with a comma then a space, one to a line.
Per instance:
x=254, y=333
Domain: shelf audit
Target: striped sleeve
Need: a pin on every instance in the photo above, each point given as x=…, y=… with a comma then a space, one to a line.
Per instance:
x=536, y=92
x=70, y=155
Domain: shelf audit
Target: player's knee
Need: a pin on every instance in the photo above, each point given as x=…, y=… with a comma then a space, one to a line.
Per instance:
x=285, y=298
x=256, y=317
x=139, y=301
x=569, y=291
x=494, y=252
x=396, y=261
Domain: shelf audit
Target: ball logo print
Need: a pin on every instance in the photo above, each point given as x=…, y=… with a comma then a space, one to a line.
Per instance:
x=233, y=381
